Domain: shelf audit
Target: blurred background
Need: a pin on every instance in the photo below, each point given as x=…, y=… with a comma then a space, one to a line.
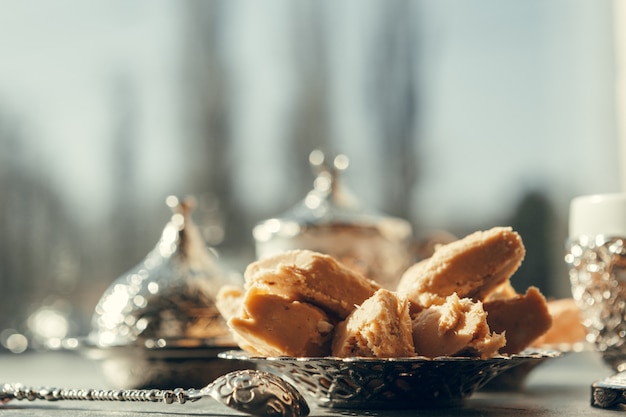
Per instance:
x=455, y=115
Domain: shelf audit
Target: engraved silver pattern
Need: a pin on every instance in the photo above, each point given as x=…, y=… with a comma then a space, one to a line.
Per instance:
x=357, y=383
x=153, y=325
x=252, y=392
x=609, y=392
x=170, y=294
x=597, y=271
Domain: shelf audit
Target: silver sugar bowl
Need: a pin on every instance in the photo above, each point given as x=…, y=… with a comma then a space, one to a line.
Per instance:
x=157, y=325
x=596, y=257
x=331, y=220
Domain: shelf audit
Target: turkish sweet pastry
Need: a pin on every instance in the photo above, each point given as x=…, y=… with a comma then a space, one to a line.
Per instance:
x=272, y=325
x=456, y=327
x=567, y=327
x=380, y=328
x=312, y=277
x=471, y=267
x=458, y=302
x=523, y=317
x=502, y=291
x=229, y=300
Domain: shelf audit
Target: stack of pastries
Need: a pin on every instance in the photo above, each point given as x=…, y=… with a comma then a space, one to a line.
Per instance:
x=458, y=302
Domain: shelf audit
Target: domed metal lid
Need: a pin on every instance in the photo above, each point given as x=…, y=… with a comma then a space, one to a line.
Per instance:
x=170, y=294
x=331, y=220
x=330, y=204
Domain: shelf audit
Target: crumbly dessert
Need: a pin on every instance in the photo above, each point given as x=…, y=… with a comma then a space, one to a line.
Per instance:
x=312, y=277
x=272, y=325
x=567, y=327
x=380, y=328
x=471, y=267
x=460, y=301
x=524, y=318
x=502, y=291
x=456, y=327
x=229, y=301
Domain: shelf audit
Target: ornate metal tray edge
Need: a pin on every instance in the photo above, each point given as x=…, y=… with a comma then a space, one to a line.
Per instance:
x=389, y=383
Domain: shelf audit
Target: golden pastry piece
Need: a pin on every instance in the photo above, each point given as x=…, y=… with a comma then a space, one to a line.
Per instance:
x=471, y=267
x=523, y=318
x=502, y=291
x=229, y=301
x=303, y=275
x=567, y=327
x=380, y=328
x=460, y=301
x=456, y=327
x=271, y=325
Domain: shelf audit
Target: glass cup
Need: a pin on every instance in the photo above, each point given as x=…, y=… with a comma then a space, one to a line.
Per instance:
x=596, y=257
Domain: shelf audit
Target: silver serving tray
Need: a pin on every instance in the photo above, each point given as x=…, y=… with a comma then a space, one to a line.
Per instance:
x=372, y=383
x=158, y=363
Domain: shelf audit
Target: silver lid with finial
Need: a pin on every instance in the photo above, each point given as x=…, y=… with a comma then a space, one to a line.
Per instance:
x=331, y=220
x=168, y=295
